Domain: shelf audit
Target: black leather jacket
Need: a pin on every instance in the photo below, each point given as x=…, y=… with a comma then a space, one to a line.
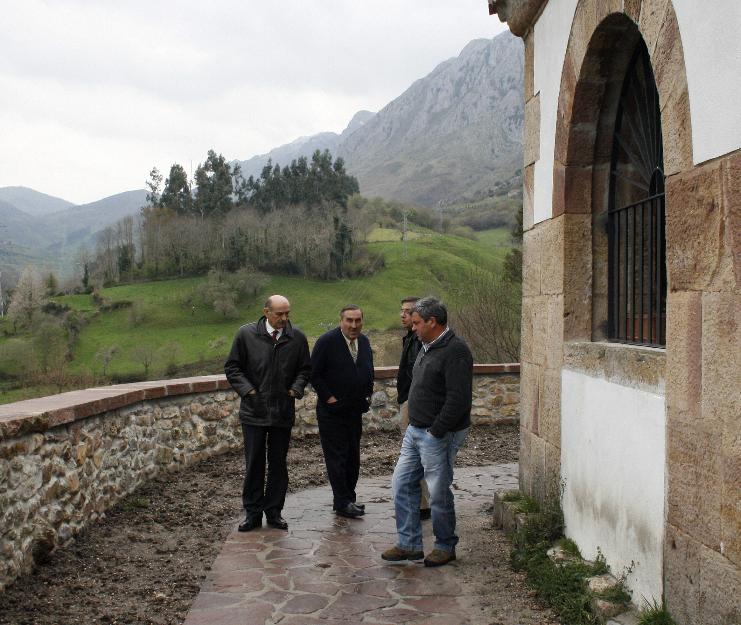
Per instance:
x=271, y=369
x=410, y=347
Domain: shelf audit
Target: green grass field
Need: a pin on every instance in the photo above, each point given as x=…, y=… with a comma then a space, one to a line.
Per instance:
x=182, y=333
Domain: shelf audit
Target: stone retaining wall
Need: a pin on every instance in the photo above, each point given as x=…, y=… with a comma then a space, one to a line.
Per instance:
x=66, y=459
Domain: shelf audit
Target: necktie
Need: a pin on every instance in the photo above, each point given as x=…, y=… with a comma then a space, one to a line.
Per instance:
x=354, y=350
x=275, y=335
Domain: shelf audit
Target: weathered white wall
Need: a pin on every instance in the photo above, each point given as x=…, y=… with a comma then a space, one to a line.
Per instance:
x=712, y=54
x=551, y=34
x=613, y=465
x=712, y=57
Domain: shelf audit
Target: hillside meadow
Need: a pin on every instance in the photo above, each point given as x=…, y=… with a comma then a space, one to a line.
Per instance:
x=184, y=336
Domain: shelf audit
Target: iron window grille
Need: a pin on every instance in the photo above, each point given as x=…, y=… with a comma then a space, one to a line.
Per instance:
x=636, y=213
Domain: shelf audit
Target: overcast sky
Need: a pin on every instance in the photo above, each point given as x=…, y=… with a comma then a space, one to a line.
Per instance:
x=95, y=93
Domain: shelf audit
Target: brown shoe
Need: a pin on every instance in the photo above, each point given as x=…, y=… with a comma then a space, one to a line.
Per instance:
x=438, y=557
x=396, y=554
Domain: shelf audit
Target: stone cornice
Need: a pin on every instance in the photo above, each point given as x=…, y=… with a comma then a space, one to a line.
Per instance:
x=519, y=14
x=43, y=413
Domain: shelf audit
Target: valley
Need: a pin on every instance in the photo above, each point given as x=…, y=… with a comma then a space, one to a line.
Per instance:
x=159, y=329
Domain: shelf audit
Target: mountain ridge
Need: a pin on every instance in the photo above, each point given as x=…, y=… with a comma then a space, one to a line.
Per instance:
x=453, y=136
x=52, y=238
x=33, y=202
x=303, y=146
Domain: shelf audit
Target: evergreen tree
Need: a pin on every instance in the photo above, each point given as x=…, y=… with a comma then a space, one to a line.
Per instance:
x=311, y=184
x=51, y=283
x=214, y=186
x=154, y=185
x=239, y=184
x=513, y=260
x=176, y=193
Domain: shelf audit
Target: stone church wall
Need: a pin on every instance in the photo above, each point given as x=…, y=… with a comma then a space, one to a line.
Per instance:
x=567, y=147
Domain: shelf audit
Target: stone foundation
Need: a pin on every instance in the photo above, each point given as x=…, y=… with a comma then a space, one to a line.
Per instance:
x=66, y=459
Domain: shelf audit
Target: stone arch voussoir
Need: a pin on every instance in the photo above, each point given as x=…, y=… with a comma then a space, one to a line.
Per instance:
x=590, y=68
x=602, y=37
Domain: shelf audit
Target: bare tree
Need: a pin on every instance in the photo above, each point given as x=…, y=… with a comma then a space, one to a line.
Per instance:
x=28, y=298
x=106, y=267
x=170, y=354
x=50, y=345
x=125, y=246
x=487, y=314
x=144, y=355
x=105, y=355
x=83, y=266
x=18, y=357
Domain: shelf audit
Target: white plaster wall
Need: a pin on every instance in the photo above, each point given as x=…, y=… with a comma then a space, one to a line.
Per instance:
x=613, y=456
x=551, y=34
x=712, y=53
x=711, y=38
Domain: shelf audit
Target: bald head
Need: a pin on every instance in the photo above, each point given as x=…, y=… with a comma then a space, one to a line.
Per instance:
x=275, y=299
x=276, y=310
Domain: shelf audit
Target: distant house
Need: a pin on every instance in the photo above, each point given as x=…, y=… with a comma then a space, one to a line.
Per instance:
x=631, y=341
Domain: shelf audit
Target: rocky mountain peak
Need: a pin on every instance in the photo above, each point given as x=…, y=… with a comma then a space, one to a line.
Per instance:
x=450, y=137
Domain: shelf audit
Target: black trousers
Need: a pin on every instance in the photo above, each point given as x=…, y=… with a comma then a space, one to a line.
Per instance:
x=340, y=436
x=259, y=495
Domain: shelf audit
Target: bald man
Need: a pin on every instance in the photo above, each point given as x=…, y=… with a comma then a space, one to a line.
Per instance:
x=269, y=367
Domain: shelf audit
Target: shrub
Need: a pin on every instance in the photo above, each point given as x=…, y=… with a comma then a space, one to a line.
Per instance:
x=222, y=290
x=486, y=313
x=563, y=585
x=463, y=231
x=138, y=313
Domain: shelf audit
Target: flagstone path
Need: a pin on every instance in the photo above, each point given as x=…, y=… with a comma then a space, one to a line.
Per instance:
x=327, y=569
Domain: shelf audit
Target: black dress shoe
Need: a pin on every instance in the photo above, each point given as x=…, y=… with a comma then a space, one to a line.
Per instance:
x=277, y=521
x=359, y=505
x=250, y=523
x=350, y=511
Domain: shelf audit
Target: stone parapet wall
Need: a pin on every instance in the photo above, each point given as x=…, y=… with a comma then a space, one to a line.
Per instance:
x=496, y=399
x=66, y=459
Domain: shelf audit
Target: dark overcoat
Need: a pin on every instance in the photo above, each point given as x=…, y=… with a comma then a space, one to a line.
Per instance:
x=271, y=368
x=333, y=373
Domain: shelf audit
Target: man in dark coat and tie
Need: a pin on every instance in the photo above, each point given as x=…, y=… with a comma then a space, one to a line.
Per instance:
x=268, y=366
x=342, y=376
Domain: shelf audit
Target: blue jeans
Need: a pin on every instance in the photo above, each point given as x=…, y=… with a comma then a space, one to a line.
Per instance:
x=423, y=455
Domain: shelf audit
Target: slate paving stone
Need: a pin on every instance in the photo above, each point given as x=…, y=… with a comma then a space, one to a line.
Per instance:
x=282, y=581
x=234, y=581
x=209, y=600
x=327, y=569
x=305, y=604
x=348, y=605
x=255, y=614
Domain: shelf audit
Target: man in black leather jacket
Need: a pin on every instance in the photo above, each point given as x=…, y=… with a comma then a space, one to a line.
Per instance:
x=410, y=346
x=269, y=367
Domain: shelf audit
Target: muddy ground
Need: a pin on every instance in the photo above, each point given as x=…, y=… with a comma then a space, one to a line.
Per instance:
x=143, y=563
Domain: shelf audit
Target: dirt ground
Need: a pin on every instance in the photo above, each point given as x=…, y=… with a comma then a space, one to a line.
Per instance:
x=143, y=563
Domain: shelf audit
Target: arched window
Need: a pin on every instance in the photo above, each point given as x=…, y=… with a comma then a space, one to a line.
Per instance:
x=636, y=213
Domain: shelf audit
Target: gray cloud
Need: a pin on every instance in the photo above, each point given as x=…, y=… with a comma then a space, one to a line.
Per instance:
x=139, y=83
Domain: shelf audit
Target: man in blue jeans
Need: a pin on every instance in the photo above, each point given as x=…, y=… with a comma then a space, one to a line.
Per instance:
x=439, y=418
